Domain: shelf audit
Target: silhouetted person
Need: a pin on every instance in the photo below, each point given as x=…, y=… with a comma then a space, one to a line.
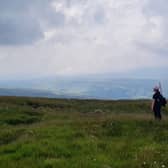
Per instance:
x=156, y=104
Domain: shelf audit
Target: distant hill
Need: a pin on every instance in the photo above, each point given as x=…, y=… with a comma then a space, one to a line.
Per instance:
x=30, y=93
x=96, y=87
x=26, y=92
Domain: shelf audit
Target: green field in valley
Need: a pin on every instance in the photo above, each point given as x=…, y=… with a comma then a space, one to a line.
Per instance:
x=55, y=133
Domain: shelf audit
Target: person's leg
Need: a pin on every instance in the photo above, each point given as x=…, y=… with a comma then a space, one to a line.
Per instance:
x=158, y=114
x=155, y=114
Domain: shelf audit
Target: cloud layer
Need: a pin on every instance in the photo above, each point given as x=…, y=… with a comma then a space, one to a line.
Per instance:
x=67, y=37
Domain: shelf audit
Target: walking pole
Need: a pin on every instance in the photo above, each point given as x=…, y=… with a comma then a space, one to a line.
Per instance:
x=160, y=87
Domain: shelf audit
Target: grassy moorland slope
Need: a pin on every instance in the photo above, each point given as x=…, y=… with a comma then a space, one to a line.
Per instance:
x=53, y=133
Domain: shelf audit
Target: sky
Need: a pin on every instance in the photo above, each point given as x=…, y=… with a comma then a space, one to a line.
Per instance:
x=79, y=37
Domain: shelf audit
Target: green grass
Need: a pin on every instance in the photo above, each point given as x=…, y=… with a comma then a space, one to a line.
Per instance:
x=57, y=133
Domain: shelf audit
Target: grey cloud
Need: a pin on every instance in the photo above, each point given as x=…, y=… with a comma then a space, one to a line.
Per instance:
x=119, y=35
x=24, y=21
x=156, y=12
x=156, y=7
x=19, y=32
x=99, y=16
x=161, y=51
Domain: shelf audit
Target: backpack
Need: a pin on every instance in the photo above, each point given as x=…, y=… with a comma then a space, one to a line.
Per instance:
x=163, y=101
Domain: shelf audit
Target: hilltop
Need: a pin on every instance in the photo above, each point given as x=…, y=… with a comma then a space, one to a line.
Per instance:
x=70, y=133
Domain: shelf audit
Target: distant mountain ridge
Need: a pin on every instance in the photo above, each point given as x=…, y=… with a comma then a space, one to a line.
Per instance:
x=91, y=87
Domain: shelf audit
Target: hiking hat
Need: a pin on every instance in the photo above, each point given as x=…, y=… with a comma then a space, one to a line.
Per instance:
x=156, y=88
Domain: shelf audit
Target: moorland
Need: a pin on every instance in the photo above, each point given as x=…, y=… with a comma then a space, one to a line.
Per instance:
x=70, y=133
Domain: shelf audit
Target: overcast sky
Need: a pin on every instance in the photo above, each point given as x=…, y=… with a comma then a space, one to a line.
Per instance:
x=73, y=37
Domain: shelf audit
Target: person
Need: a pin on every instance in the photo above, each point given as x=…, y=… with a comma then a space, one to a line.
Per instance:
x=156, y=103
